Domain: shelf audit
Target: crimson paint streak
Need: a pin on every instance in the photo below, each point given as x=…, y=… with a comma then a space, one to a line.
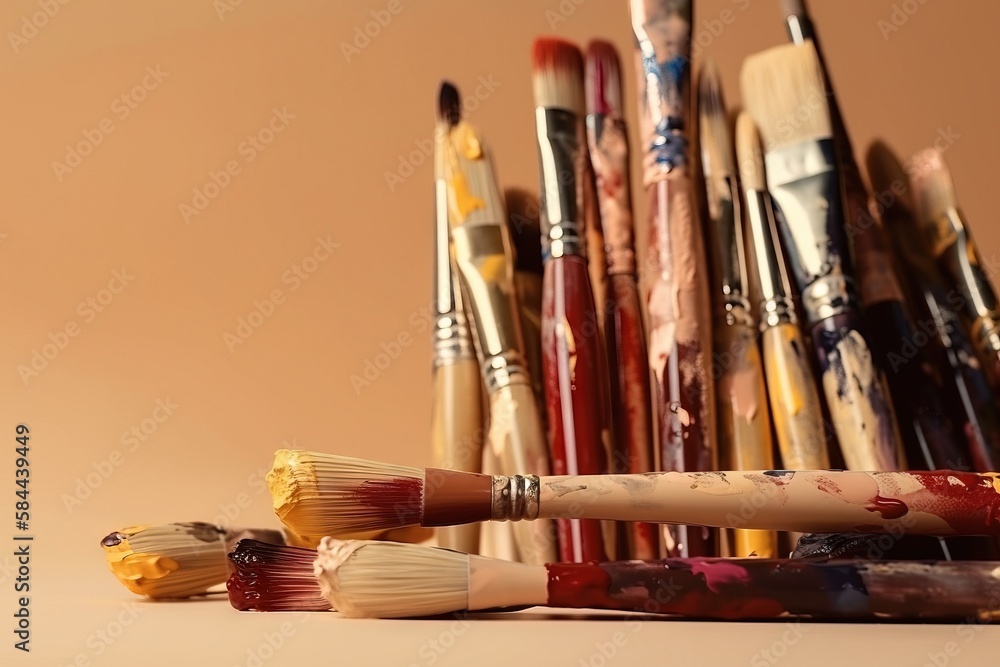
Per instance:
x=400, y=499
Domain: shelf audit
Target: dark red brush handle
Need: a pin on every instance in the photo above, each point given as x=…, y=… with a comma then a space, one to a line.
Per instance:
x=570, y=349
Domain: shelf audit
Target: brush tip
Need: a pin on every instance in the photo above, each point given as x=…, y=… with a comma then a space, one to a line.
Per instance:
x=557, y=74
x=449, y=104
x=886, y=172
x=748, y=154
x=933, y=189
x=271, y=577
x=603, y=79
x=793, y=8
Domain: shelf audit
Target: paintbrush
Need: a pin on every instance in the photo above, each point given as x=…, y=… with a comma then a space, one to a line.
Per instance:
x=624, y=337
x=677, y=298
x=949, y=241
x=484, y=257
x=741, y=397
x=791, y=386
x=457, y=424
x=784, y=93
x=926, y=430
x=570, y=334
x=965, y=384
x=318, y=493
x=385, y=580
x=174, y=560
x=271, y=577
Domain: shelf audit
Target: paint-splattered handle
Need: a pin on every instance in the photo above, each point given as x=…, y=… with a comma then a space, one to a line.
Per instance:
x=856, y=395
x=758, y=589
x=571, y=349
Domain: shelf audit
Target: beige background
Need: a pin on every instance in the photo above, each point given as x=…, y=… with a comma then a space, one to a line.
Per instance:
x=324, y=176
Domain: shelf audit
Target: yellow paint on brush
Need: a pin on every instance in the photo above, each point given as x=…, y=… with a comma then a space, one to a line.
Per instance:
x=138, y=572
x=285, y=480
x=465, y=202
x=463, y=142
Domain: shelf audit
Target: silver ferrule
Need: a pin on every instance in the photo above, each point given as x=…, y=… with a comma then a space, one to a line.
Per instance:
x=482, y=256
x=805, y=187
x=776, y=305
x=799, y=28
x=559, y=155
x=515, y=498
x=949, y=239
x=452, y=339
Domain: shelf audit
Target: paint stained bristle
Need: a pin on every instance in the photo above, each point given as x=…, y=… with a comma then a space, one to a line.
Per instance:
x=603, y=81
x=270, y=577
x=449, y=104
x=557, y=75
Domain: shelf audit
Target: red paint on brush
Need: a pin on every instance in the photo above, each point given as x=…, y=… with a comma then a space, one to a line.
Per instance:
x=400, y=498
x=968, y=502
x=550, y=53
x=602, y=68
x=889, y=508
x=269, y=577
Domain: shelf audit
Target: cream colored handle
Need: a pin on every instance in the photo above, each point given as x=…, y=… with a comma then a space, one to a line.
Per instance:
x=518, y=441
x=457, y=435
x=794, y=398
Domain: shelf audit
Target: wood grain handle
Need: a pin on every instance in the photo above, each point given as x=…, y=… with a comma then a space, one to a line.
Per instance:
x=794, y=399
x=457, y=435
x=571, y=366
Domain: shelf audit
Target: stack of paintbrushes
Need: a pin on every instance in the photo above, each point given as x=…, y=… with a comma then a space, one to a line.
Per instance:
x=779, y=317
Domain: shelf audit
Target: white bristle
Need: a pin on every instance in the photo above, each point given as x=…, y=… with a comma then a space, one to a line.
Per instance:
x=748, y=155
x=783, y=91
x=557, y=76
x=363, y=579
x=932, y=185
x=316, y=494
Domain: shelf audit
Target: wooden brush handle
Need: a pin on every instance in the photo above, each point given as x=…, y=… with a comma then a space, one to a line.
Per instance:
x=941, y=503
x=518, y=443
x=795, y=403
x=856, y=395
x=756, y=589
x=457, y=435
x=744, y=424
x=626, y=343
x=571, y=365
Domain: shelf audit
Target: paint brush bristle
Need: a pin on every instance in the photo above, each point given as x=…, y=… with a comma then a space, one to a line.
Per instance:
x=603, y=80
x=748, y=155
x=887, y=175
x=557, y=75
x=783, y=91
x=449, y=104
x=174, y=560
x=271, y=577
x=317, y=494
x=390, y=580
x=717, y=159
x=933, y=188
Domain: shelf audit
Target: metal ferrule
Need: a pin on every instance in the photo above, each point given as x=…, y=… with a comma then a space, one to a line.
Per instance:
x=776, y=306
x=730, y=258
x=452, y=340
x=515, y=498
x=482, y=252
x=799, y=28
x=559, y=155
x=949, y=240
x=805, y=187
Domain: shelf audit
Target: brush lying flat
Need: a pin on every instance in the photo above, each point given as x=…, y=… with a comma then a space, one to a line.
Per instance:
x=386, y=580
x=270, y=577
x=174, y=560
x=342, y=495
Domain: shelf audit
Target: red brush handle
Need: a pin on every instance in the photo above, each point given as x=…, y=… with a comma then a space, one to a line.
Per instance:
x=571, y=369
x=630, y=383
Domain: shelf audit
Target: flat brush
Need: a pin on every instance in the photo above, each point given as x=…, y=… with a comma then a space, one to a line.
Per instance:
x=949, y=241
x=272, y=577
x=174, y=560
x=570, y=333
x=966, y=386
x=385, y=580
x=741, y=396
x=628, y=366
x=484, y=257
x=791, y=386
x=457, y=423
x=802, y=177
x=347, y=495
x=677, y=297
x=927, y=432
